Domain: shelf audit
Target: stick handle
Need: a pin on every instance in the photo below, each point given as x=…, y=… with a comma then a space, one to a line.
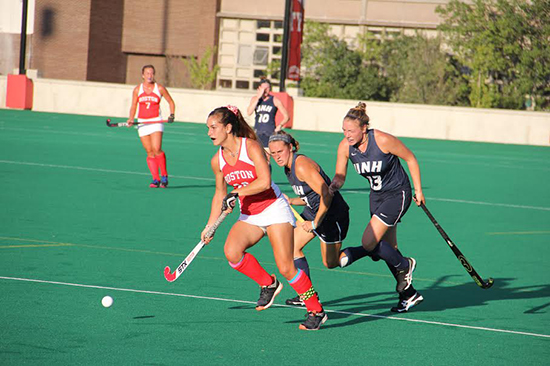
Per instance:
x=298, y=217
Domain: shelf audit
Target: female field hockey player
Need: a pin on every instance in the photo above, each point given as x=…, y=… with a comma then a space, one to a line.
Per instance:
x=327, y=215
x=266, y=106
x=375, y=156
x=241, y=163
x=148, y=95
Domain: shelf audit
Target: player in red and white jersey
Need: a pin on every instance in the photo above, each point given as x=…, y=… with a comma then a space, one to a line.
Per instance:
x=242, y=164
x=147, y=96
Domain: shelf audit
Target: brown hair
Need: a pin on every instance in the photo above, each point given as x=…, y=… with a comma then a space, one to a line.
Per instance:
x=359, y=113
x=286, y=138
x=239, y=126
x=147, y=67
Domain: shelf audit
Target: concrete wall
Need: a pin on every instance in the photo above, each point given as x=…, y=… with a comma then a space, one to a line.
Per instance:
x=313, y=114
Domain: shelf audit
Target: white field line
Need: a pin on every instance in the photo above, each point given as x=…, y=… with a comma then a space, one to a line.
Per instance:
x=292, y=307
x=97, y=169
x=211, y=180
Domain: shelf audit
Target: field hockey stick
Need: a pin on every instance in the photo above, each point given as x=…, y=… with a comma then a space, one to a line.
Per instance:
x=477, y=278
x=125, y=124
x=172, y=276
x=298, y=217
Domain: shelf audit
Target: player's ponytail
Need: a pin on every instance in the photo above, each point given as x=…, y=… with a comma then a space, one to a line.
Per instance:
x=359, y=113
x=231, y=115
x=286, y=138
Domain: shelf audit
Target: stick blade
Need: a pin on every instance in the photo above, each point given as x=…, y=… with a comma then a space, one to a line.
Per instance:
x=489, y=283
x=170, y=277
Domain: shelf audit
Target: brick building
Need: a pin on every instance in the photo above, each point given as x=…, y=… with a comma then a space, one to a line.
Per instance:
x=110, y=40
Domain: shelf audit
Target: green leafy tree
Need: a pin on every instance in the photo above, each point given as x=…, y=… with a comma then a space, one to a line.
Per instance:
x=506, y=46
x=201, y=74
x=333, y=70
x=418, y=71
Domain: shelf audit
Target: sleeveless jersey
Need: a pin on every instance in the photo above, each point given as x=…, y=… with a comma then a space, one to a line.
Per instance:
x=310, y=197
x=384, y=171
x=242, y=174
x=149, y=103
x=265, y=116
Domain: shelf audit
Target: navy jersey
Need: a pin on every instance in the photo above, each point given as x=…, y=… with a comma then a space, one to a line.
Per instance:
x=265, y=116
x=310, y=197
x=384, y=171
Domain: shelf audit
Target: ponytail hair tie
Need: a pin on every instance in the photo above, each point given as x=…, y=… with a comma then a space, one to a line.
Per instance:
x=233, y=109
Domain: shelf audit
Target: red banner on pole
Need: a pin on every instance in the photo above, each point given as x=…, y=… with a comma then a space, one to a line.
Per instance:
x=296, y=30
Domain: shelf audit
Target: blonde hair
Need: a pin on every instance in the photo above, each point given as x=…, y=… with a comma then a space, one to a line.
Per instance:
x=359, y=113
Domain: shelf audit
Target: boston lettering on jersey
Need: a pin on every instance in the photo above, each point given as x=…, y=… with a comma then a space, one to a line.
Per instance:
x=149, y=98
x=238, y=175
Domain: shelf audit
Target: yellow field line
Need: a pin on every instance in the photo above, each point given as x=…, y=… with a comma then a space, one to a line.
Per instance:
x=36, y=245
x=342, y=271
x=520, y=233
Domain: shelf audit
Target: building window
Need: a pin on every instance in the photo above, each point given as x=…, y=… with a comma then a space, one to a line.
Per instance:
x=261, y=55
x=246, y=48
x=225, y=84
x=242, y=84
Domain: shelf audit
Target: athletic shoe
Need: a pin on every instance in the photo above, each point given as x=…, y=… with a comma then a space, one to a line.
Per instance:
x=314, y=320
x=268, y=294
x=405, y=304
x=164, y=181
x=404, y=276
x=295, y=301
x=154, y=184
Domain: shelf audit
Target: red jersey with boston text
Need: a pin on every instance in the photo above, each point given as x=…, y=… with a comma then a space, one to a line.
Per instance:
x=149, y=103
x=242, y=174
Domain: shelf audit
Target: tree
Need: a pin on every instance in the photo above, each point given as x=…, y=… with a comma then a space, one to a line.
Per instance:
x=506, y=45
x=202, y=76
x=416, y=69
x=333, y=70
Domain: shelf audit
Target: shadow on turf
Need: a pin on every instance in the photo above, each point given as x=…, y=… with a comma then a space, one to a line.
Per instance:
x=436, y=298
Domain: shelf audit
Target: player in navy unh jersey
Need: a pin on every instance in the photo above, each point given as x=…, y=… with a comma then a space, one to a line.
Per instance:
x=266, y=106
x=241, y=163
x=375, y=156
x=147, y=96
x=326, y=214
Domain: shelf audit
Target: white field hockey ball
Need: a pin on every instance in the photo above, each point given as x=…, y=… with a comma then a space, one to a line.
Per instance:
x=107, y=301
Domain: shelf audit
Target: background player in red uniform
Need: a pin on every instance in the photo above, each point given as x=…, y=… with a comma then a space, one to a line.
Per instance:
x=148, y=96
x=241, y=163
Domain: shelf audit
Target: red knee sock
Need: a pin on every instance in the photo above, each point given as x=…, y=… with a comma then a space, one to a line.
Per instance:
x=250, y=267
x=153, y=167
x=161, y=161
x=302, y=285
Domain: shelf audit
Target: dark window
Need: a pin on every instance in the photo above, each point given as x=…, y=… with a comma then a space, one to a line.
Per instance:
x=262, y=37
x=241, y=84
x=228, y=84
x=277, y=50
x=278, y=24
x=278, y=38
x=259, y=73
x=263, y=24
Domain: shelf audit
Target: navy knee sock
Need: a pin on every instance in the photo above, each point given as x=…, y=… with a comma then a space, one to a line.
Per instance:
x=301, y=263
x=385, y=251
x=354, y=254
